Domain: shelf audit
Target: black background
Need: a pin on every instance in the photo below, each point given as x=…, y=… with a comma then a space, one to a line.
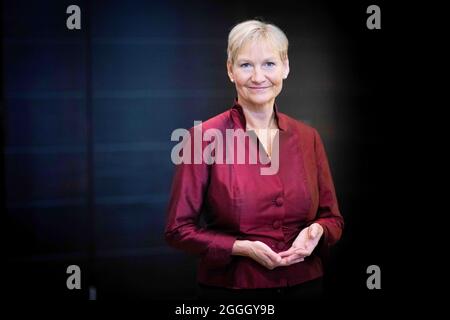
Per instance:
x=87, y=117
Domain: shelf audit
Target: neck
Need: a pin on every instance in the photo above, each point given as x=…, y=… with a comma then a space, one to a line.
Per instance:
x=259, y=117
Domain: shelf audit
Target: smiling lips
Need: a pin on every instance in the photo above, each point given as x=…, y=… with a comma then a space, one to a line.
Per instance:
x=258, y=88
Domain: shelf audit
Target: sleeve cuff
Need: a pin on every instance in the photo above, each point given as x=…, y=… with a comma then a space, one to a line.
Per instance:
x=219, y=251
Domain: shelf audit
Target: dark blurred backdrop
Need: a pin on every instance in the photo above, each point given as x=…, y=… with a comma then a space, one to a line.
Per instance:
x=87, y=117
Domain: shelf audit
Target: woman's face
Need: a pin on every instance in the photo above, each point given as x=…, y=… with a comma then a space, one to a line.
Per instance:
x=258, y=74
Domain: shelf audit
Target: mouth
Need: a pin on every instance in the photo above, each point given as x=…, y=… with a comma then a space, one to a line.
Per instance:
x=258, y=88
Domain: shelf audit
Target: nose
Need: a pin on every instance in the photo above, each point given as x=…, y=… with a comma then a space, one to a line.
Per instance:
x=258, y=75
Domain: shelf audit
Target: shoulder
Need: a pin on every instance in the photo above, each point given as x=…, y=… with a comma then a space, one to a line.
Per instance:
x=220, y=122
x=307, y=135
x=298, y=127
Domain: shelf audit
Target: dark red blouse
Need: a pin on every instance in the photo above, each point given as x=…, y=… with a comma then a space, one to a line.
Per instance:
x=237, y=202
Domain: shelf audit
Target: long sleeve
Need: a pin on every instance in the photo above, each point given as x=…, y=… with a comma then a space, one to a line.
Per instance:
x=328, y=214
x=189, y=186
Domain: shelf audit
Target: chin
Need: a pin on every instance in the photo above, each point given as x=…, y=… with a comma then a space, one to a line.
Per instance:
x=260, y=100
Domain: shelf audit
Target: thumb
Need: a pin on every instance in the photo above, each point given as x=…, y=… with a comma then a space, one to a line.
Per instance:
x=312, y=232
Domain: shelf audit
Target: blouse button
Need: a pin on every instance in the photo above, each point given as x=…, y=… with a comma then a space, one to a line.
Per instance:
x=279, y=201
x=276, y=224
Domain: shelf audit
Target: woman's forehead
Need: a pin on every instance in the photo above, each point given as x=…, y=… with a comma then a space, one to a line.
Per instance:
x=258, y=48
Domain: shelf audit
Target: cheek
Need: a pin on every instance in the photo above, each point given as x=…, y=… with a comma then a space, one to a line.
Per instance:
x=242, y=78
x=240, y=85
x=242, y=82
x=277, y=79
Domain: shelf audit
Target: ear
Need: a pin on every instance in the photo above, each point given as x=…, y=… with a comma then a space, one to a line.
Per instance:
x=230, y=71
x=286, y=68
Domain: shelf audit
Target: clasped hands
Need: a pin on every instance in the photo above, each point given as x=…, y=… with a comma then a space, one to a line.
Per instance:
x=301, y=248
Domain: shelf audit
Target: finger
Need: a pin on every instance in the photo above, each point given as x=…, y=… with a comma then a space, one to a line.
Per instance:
x=273, y=257
x=293, y=257
x=291, y=251
x=297, y=260
x=270, y=264
x=297, y=256
x=302, y=252
x=309, y=232
x=286, y=253
x=285, y=262
x=290, y=261
x=265, y=262
x=270, y=254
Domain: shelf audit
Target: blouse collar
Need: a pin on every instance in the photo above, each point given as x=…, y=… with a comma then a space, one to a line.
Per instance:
x=238, y=117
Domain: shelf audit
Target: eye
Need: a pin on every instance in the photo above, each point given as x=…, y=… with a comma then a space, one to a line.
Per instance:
x=269, y=64
x=245, y=65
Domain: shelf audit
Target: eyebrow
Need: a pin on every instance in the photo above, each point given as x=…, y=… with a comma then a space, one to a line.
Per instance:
x=247, y=60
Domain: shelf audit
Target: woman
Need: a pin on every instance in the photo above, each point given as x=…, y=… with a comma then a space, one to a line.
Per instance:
x=263, y=235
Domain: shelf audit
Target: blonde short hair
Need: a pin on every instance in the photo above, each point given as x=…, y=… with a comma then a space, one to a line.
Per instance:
x=254, y=30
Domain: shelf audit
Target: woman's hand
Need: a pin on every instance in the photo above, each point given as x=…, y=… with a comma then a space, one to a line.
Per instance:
x=258, y=251
x=301, y=248
x=303, y=245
